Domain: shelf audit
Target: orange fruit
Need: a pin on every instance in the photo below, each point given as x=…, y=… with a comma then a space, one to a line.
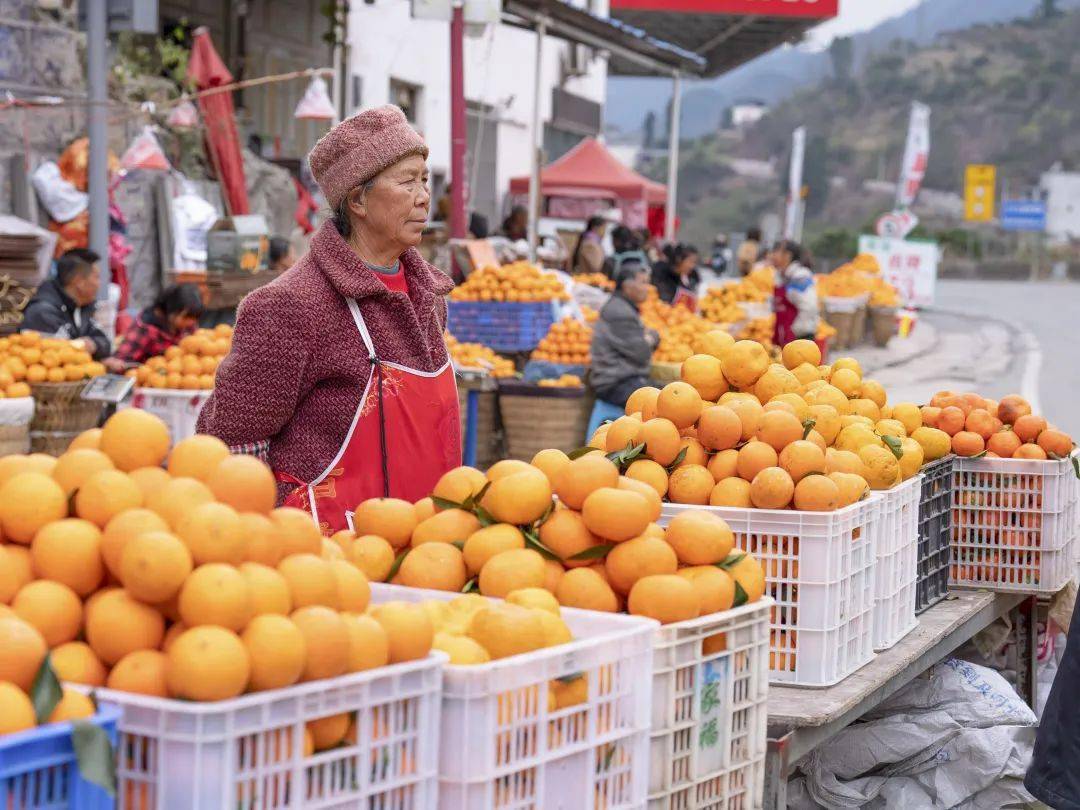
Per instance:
x=326, y=732
x=1004, y=443
x=553, y=574
x=584, y=588
x=458, y=484
x=423, y=509
x=656, y=505
x=844, y=461
x=436, y=566
x=75, y=466
x=550, y=463
x=390, y=518
x=981, y=422
x=141, y=672
x=269, y=589
x=1027, y=427
x=816, y=493
x=243, y=482
x=311, y=581
x=630, y=561
x=666, y=597
x=214, y=532
x=851, y=488
x=731, y=492
x=369, y=646
x=106, y=494
x=705, y=373
x=719, y=428
x=772, y=488
x=714, y=587
x=744, y=362
x=217, y=593
x=1012, y=407
x=724, y=464
x=117, y=624
x=802, y=351
x=679, y=403
x=650, y=473
x=715, y=342
x=1030, y=451
x=504, y=630
x=801, y=458
x=154, y=565
x=755, y=456
x=29, y=501
x=69, y=551
x=122, y=528
x=485, y=543
x=583, y=476
x=662, y=440
x=749, y=412
x=10, y=579
x=779, y=429
x=73, y=705
x=178, y=498
x=373, y=556
x=295, y=532
x=519, y=499
x=510, y=571
x=277, y=652
x=326, y=642
x=624, y=432
x=197, y=457
x=775, y=382
x=690, y=484
x=52, y=608
x=207, y=663
x=149, y=479
x=616, y=514
x=449, y=526
x=951, y=420
x=700, y=538
x=24, y=648
x=1055, y=442
x=408, y=629
x=966, y=443
x=643, y=401
x=566, y=535
x=263, y=544
x=16, y=710
x=134, y=438
x=75, y=662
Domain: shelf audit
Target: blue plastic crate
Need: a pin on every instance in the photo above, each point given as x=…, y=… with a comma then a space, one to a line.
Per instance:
x=536, y=370
x=502, y=326
x=38, y=770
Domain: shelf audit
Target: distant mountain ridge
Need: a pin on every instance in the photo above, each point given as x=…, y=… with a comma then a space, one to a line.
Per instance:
x=776, y=76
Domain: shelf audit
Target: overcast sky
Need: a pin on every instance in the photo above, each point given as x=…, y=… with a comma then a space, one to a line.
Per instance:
x=858, y=15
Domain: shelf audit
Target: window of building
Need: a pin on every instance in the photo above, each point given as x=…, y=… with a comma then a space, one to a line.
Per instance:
x=406, y=96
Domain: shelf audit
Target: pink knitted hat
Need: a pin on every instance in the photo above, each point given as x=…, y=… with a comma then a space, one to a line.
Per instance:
x=360, y=147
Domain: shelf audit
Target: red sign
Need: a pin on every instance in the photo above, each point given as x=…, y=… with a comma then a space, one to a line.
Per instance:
x=816, y=9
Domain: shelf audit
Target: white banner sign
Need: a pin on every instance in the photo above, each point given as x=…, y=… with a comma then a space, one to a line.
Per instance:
x=793, y=218
x=897, y=224
x=911, y=267
x=916, y=156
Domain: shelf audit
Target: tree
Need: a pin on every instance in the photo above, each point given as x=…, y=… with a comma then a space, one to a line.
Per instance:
x=1048, y=9
x=816, y=174
x=842, y=55
x=650, y=129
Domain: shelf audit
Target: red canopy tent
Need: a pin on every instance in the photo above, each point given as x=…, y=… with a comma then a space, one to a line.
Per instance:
x=219, y=117
x=590, y=172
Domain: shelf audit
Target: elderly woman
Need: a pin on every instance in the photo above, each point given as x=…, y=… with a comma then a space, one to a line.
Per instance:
x=338, y=374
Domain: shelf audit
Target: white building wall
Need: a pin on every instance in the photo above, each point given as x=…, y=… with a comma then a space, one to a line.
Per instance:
x=387, y=44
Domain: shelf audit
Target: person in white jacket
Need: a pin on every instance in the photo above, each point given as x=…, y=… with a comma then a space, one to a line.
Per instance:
x=795, y=299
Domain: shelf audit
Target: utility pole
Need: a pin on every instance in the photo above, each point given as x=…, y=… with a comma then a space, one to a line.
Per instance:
x=98, y=135
x=459, y=134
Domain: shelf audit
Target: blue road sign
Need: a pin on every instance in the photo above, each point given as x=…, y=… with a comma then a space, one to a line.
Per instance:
x=1023, y=215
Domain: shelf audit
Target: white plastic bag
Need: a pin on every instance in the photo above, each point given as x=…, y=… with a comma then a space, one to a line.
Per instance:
x=145, y=153
x=183, y=116
x=61, y=199
x=315, y=104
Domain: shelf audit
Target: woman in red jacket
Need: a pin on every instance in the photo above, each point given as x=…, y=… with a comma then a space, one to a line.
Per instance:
x=338, y=375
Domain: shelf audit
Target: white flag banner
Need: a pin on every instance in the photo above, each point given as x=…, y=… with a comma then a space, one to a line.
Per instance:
x=793, y=217
x=916, y=156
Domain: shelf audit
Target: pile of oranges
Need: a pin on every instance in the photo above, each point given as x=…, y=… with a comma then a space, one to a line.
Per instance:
x=598, y=280
x=679, y=329
x=861, y=276
x=763, y=278
x=760, y=330
x=1005, y=429
x=567, y=342
x=188, y=366
x=596, y=547
x=563, y=381
x=478, y=356
x=28, y=357
x=517, y=282
x=738, y=430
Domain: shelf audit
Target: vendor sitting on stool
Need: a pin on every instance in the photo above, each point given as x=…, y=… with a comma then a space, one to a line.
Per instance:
x=622, y=347
x=174, y=314
x=64, y=306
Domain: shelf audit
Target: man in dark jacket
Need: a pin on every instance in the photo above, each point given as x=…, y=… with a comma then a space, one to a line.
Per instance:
x=64, y=306
x=1054, y=776
x=622, y=347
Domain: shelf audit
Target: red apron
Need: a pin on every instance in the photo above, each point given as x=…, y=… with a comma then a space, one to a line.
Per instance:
x=404, y=436
x=786, y=313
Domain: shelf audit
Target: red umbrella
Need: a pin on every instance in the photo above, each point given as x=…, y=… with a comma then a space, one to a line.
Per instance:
x=222, y=140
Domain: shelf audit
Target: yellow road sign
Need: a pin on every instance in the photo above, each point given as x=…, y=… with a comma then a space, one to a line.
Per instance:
x=980, y=193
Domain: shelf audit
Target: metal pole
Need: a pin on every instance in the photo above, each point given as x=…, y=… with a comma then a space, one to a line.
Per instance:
x=537, y=143
x=459, y=133
x=97, y=130
x=673, y=159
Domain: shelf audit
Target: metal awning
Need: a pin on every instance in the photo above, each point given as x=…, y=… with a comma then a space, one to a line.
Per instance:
x=632, y=51
x=726, y=33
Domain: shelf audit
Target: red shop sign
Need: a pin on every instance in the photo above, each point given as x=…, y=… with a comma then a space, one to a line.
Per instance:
x=816, y=9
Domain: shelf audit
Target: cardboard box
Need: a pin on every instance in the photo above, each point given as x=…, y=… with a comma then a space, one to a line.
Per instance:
x=238, y=244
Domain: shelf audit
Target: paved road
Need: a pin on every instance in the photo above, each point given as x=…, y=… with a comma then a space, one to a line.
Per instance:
x=995, y=338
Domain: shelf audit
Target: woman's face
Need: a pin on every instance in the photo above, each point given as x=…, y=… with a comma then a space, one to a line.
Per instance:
x=395, y=208
x=689, y=262
x=182, y=322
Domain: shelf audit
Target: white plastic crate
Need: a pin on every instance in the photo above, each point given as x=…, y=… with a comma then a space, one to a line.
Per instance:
x=709, y=718
x=503, y=746
x=894, y=601
x=178, y=409
x=1014, y=524
x=819, y=570
x=899, y=515
x=248, y=753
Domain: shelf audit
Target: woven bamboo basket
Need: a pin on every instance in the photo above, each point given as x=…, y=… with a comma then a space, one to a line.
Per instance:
x=537, y=418
x=488, y=434
x=14, y=440
x=883, y=324
x=844, y=324
x=60, y=415
x=858, y=328
x=665, y=373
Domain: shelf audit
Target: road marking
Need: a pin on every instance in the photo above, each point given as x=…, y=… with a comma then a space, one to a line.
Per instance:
x=1029, y=381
